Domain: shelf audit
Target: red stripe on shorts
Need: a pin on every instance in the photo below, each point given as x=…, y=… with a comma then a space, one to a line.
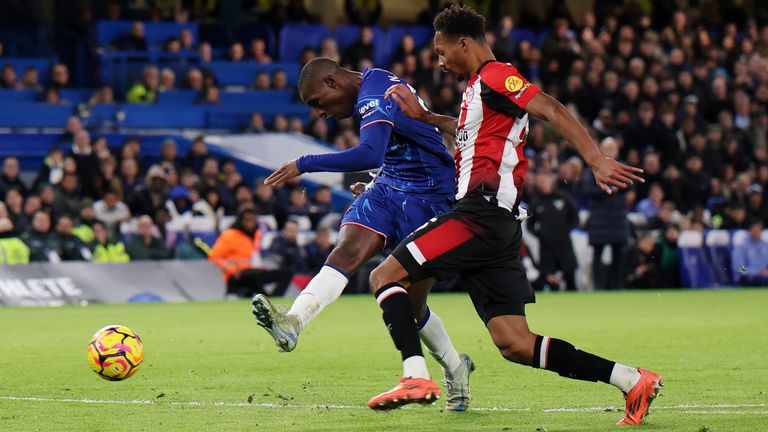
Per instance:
x=445, y=237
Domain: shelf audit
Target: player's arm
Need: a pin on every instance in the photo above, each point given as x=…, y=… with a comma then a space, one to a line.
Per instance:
x=608, y=172
x=410, y=105
x=374, y=137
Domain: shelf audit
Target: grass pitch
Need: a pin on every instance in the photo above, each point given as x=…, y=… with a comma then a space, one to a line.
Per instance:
x=208, y=367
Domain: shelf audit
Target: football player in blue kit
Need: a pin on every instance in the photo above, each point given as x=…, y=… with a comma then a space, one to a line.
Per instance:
x=416, y=183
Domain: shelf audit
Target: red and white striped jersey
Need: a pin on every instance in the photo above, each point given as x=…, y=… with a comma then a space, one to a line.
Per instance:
x=493, y=126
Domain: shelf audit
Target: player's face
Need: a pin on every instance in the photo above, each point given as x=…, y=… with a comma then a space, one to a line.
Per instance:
x=329, y=100
x=451, y=54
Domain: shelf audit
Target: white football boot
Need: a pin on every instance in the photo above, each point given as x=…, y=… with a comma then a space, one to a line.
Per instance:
x=280, y=326
x=458, y=396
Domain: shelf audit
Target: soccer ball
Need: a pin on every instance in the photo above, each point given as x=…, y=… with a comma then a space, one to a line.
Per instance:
x=115, y=352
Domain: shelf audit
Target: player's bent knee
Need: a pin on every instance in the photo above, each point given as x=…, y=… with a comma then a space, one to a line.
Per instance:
x=514, y=352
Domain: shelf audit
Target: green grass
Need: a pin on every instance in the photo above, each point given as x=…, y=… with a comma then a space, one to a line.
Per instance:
x=710, y=347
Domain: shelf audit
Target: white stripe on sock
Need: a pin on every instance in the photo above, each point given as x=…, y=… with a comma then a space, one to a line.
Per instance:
x=416, y=253
x=388, y=292
x=543, y=352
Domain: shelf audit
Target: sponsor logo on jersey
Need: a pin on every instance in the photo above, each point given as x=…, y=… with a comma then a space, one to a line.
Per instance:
x=513, y=83
x=462, y=135
x=371, y=104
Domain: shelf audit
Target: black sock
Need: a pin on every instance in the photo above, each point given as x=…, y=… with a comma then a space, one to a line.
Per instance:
x=400, y=319
x=568, y=361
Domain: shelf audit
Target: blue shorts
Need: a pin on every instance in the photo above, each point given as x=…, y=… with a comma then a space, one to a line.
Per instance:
x=394, y=214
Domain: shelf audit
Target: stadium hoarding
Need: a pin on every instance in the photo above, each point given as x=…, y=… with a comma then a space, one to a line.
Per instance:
x=48, y=284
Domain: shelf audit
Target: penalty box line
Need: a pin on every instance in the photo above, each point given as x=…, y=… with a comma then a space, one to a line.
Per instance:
x=682, y=408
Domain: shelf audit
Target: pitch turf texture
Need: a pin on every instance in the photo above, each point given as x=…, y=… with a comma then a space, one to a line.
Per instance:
x=208, y=367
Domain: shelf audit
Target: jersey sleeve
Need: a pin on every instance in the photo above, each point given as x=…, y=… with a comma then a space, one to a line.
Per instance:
x=375, y=109
x=504, y=89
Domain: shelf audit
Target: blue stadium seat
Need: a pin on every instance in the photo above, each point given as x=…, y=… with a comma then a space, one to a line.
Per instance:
x=295, y=37
x=160, y=116
x=251, y=31
x=32, y=115
x=718, y=250
x=695, y=269
x=178, y=97
x=257, y=98
x=233, y=119
x=422, y=35
x=345, y=35
x=76, y=95
x=15, y=96
x=523, y=34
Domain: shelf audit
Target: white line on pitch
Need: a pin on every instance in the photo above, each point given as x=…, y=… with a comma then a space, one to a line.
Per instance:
x=683, y=408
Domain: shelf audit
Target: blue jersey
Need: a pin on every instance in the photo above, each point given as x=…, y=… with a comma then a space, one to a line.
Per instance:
x=415, y=160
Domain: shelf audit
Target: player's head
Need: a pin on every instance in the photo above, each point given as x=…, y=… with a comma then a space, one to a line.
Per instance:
x=326, y=87
x=458, y=31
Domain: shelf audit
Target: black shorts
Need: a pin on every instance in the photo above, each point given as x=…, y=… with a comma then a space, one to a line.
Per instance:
x=480, y=242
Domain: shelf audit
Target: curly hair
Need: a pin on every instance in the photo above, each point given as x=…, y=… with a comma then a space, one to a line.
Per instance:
x=459, y=20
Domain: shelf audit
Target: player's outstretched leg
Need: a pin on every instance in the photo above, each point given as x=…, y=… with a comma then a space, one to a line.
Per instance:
x=355, y=246
x=415, y=385
x=518, y=344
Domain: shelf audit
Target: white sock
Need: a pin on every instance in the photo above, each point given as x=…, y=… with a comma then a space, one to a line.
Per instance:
x=415, y=367
x=438, y=343
x=624, y=377
x=322, y=290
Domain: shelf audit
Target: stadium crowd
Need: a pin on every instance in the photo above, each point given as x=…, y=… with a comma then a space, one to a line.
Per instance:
x=684, y=95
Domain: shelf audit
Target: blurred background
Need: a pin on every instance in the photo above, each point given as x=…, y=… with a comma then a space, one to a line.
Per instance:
x=136, y=130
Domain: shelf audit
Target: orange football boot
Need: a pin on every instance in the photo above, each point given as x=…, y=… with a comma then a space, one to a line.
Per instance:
x=410, y=390
x=640, y=397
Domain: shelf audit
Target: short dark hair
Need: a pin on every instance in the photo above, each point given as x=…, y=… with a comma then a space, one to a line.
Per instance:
x=459, y=20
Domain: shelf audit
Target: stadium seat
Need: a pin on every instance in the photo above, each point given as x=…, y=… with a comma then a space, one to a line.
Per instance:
x=159, y=116
x=738, y=237
x=523, y=34
x=244, y=74
x=717, y=245
x=251, y=99
x=695, y=269
x=295, y=37
x=178, y=97
x=33, y=115
x=345, y=35
x=422, y=35
x=76, y=96
x=10, y=96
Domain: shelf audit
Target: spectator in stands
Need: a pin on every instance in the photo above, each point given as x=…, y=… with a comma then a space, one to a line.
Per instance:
x=187, y=40
x=259, y=51
x=296, y=125
x=167, y=80
x=103, y=96
x=211, y=95
x=8, y=78
x=319, y=250
x=195, y=80
x=111, y=212
x=83, y=228
x=178, y=203
x=321, y=205
x=256, y=124
x=263, y=81
x=307, y=54
x=196, y=155
x=104, y=250
x=206, y=52
x=169, y=155
x=14, y=203
x=650, y=207
x=135, y=40
x=359, y=50
x=236, y=52
x=755, y=208
x=154, y=193
x=329, y=49
x=30, y=79
x=11, y=177
x=735, y=216
x=72, y=126
x=87, y=164
x=52, y=96
x=406, y=48
x=267, y=203
x=60, y=76
x=144, y=245
x=32, y=205
x=280, y=80
x=280, y=124
x=289, y=255
x=667, y=256
x=555, y=217
x=48, y=197
x=607, y=225
x=749, y=259
x=172, y=45
x=642, y=264
x=146, y=90
x=129, y=178
x=38, y=238
x=13, y=251
x=109, y=177
x=67, y=196
x=68, y=246
x=363, y=12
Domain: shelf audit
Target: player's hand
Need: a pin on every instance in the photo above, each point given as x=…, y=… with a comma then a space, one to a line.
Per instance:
x=357, y=188
x=407, y=101
x=610, y=174
x=286, y=172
